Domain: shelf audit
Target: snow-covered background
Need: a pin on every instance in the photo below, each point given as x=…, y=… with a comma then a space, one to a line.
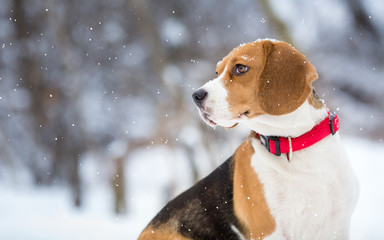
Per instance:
x=97, y=126
x=45, y=213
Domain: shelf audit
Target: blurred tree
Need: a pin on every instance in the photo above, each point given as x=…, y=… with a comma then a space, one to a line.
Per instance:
x=51, y=107
x=362, y=20
x=276, y=23
x=32, y=79
x=119, y=186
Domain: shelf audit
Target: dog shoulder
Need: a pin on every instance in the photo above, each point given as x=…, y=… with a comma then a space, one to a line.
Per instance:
x=205, y=211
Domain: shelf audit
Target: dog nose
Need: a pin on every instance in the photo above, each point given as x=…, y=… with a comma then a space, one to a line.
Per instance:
x=199, y=96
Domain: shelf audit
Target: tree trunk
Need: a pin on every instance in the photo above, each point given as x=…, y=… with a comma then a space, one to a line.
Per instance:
x=32, y=79
x=118, y=186
x=279, y=26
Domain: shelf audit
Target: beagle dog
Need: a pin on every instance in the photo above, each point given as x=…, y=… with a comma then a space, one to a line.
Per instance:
x=290, y=179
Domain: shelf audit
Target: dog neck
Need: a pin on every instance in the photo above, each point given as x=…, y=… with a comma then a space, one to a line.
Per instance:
x=292, y=124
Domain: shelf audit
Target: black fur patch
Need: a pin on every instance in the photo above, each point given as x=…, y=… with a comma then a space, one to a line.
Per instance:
x=205, y=211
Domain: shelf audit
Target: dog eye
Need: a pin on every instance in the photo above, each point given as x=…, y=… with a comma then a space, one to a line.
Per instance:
x=240, y=69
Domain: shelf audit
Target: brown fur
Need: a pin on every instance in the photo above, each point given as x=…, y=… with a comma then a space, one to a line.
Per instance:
x=250, y=204
x=242, y=89
x=160, y=234
x=315, y=101
x=286, y=80
x=279, y=79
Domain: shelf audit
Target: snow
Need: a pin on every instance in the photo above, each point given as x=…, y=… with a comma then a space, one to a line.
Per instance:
x=46, y=213
x=174, y=32
x=267, y=39
x=368, y=162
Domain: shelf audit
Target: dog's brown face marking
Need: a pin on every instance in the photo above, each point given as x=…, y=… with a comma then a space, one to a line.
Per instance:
x=278, y=79
x=242, y=88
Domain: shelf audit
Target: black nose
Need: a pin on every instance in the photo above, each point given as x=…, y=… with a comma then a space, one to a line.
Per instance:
x=199, y=96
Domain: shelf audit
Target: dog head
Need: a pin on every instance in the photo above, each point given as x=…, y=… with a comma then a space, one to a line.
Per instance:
x=257, y=78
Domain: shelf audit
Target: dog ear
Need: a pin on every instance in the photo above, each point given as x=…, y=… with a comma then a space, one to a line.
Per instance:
x=285, y=81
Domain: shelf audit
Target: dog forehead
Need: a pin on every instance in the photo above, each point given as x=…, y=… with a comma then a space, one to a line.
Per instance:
x=250, y=48
x=247, y=52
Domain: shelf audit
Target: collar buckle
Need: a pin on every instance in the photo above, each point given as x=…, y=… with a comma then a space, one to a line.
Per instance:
x=265, y=141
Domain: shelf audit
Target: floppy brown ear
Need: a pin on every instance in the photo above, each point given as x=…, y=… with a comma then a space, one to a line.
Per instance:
x=285, y=81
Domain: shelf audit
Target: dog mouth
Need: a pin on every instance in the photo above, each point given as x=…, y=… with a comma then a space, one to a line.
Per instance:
x=206, y=118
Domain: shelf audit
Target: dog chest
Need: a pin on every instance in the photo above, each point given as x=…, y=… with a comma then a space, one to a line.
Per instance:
x=311, y=197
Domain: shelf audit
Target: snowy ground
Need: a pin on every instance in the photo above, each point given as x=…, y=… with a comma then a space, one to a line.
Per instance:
x=28, y=213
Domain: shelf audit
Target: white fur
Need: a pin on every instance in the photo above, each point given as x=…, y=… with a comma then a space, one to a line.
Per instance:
x=237, y=231
x=216, y=104
x=293, y=124
x=313, y=196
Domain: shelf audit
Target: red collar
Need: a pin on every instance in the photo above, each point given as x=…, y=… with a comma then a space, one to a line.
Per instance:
x=279, y=145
